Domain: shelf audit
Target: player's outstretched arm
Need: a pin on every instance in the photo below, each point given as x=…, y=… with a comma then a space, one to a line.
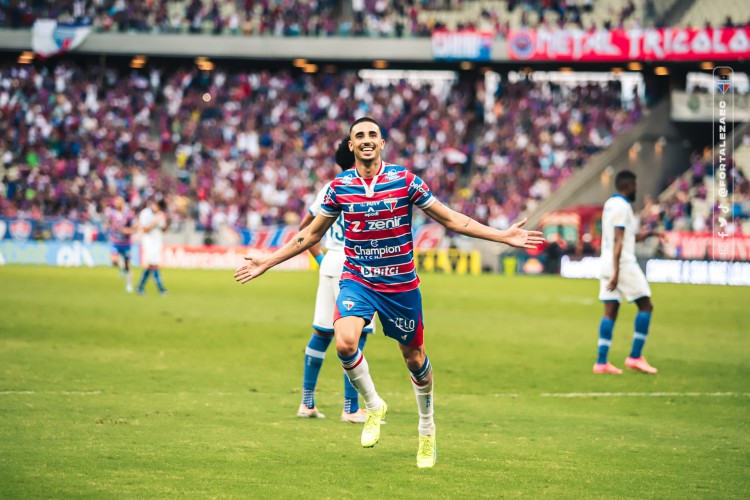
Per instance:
x=303, y=240
x=306, y=221
x=514, y=236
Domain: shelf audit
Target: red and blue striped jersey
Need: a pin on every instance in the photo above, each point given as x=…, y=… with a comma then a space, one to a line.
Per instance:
x=377, y=225
x=118, y=221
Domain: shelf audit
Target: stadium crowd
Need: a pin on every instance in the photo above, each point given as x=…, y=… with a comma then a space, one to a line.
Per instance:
x=247, y=149
x=539, y=135
x=382, y=18
x=690, y=203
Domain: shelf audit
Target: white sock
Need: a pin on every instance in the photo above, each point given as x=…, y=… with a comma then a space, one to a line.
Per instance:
x=129, y=278
x=425, y=407
x=358, y=371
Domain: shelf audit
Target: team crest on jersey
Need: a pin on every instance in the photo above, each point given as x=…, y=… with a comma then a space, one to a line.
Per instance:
x=391, y=175
x=20, y=230
x=391, y=203
x=347, y=180
x=348, y=304
x=64, y=230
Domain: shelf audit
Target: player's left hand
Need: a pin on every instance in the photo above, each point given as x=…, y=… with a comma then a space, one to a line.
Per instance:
x=522, y=238
x=254, y=267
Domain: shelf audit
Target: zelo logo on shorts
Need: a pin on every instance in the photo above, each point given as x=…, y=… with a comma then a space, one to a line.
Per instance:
x=376, y=225
x=403, y=324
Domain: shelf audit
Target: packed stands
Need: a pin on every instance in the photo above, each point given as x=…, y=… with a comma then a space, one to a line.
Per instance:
x=244, y=148
x=377, y=18
x=690, y=203
x=542, y=134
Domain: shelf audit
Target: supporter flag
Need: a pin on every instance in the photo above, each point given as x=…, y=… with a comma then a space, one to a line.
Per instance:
x=49, y=38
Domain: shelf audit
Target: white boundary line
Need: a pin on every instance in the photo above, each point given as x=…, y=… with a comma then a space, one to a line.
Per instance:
x=646, y=394
x=54, y=393
x=501, y=395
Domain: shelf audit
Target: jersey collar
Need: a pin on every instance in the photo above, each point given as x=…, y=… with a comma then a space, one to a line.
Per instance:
x=618, y=195
x=370, y=188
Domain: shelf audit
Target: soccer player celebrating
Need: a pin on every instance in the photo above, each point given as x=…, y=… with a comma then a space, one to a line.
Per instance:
x=152, y=221
x=622, y=277
x=120, y=225
x=376, y=200
x=331, y=265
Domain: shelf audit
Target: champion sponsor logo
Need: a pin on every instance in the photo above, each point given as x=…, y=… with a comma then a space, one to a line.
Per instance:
x=724, y=85
x=3, y=227
x=20, y=230
x=403, y=324
x=376, y=253
x=376, y=225
x=371, y=212
x=63, y=230
x=390, y=203
x=348, y=304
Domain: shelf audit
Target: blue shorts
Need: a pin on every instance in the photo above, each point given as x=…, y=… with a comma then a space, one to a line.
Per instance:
x=399, y=313
x=123, y=250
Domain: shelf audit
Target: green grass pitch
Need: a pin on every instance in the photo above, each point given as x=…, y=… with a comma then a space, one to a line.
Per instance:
x=104, y=394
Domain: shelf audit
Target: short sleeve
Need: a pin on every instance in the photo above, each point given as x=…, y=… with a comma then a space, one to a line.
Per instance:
x=419, y=192
x=620, y=216
x=330, y=206
x=315, y=207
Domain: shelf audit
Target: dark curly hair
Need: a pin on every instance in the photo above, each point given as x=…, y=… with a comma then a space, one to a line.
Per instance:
x=344, y=157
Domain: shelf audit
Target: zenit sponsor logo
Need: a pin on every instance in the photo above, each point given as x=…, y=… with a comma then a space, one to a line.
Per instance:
x=376, y=253
x=376, y=225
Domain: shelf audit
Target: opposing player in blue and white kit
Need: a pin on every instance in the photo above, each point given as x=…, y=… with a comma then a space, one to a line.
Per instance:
x=376, y=200
x=152, y=222
x=621, y=277
x=121, y=227
x=331, y=264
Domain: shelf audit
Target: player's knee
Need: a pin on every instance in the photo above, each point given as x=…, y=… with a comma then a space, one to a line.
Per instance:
x=347, y=342
x=647, y=306
x=414, y=358
x=345, y=348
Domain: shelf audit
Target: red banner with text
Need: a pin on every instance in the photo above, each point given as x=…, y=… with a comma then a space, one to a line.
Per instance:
x=656, y=44
x=687, y=245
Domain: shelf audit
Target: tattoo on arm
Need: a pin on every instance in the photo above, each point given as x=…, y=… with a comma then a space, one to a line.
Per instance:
x=468, y=219
x=299, y=241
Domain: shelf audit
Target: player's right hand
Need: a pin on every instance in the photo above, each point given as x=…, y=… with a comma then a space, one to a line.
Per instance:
x=612, y=285
x=254, y=267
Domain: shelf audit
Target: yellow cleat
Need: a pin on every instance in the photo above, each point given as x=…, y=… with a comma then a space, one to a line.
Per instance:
x=427, y=452
x=371, y=431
